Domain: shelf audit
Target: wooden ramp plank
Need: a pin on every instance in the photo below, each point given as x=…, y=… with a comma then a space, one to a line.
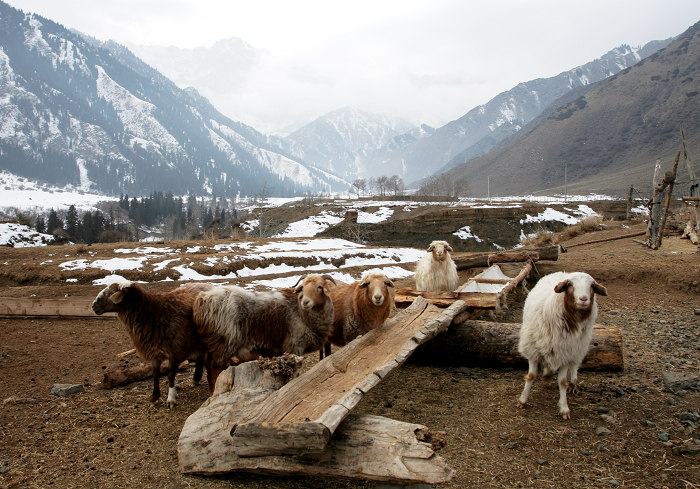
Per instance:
x=364, y=447
x=300, y=417
x=74, y=307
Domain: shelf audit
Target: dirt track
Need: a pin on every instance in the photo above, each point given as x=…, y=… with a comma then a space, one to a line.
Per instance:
x=116, y=438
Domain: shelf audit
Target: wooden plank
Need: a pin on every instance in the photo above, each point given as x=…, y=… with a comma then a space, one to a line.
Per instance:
x=75, y=307
x=405, y=296
x=300, y=417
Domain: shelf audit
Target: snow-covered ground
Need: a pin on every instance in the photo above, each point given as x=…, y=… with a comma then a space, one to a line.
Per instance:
x=20, y=193
x=20, y=236
x=324, y=251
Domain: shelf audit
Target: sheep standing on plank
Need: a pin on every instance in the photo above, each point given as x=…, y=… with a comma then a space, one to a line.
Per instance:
x=436, y=271
x=558, y=319
x=159, y=325
x=359, y=307
x=234, y=322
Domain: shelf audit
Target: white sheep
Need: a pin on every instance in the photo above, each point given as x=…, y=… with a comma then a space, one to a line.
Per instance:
x=436, y=271
x=558, y=319
x=240, y=325
x=359, y=307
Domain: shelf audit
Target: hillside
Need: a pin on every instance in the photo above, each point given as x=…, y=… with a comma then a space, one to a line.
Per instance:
x=485, y=126
x=607, y=138
x=88, y=114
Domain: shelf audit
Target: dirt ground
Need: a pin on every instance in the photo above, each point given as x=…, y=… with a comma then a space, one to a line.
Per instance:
x=116, y=438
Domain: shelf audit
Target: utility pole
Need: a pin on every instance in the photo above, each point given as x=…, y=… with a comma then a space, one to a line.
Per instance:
x=488, y=186
x=566, y=186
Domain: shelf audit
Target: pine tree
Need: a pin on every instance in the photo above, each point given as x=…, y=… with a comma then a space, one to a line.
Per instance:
x=40, y=225
x=54, y=222
x=72, y=223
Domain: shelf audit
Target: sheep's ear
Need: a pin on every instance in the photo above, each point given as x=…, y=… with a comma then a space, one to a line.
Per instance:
x=364, y=285
x=599, y=289
x=117, y=297
x=431, y=248
x=448, y=247
x=388, y=283
x=562, y=286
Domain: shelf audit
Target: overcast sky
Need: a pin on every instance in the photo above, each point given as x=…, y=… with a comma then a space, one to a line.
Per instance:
x=427, y=61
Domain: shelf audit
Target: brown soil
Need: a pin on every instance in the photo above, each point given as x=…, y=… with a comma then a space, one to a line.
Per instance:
x=116, y=438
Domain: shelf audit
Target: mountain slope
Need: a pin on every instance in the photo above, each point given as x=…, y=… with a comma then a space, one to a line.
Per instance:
x=75, y=111
x=608, y=137
x=480, y=129
x=339, y=140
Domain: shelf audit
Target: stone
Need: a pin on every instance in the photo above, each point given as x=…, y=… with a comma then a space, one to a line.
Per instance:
x=602, y=431
x=676, y=381
x=663, y=436
x=63, y=390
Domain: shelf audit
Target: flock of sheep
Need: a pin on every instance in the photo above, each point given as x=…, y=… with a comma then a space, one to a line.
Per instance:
x=217, y=326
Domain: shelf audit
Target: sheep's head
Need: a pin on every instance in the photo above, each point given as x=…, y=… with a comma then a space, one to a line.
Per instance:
x=376, y=286
x=580, y=289
x=313, y=290
x=110, y=298
x=440, y=250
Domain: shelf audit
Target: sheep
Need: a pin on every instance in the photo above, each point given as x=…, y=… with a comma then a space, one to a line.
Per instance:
x=240, y=325
x=556, y=331
x=160, y=326
x=436, y=271
x=359, y=307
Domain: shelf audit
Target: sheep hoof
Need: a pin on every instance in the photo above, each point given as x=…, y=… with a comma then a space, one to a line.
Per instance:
x=154, y=398
x=171, y=404
x=566, y=414
x=521, y=404
x=573, y=388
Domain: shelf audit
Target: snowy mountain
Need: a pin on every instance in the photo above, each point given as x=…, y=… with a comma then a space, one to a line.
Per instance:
x=478, y=131
x=78, y=112
x=340, y=140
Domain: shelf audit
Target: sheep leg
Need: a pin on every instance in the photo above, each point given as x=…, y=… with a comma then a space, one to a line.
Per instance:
x=172, y=392
x=529, y=379
x=573, y=379
x=563, y=386
x=198, y=369
x=325, y=351
x=155, y=365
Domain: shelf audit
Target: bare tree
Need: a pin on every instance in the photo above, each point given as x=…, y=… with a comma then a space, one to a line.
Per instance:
x=360, y=185
x=396, y=185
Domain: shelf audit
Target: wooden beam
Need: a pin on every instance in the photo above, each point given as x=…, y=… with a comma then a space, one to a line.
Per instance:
x=405, y=297
x=299, y=418
x=365, y=447
x=484, y=343
x=75, y=307
x=602, y=240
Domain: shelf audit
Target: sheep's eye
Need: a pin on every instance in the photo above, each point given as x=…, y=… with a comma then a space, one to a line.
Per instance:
x=320, y=287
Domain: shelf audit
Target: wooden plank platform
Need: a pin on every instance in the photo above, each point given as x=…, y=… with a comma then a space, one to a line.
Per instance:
x=300, y=418
x=36, y=307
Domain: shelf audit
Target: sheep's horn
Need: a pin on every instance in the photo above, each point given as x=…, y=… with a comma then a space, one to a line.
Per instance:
x=328, y=277
x=300, y=279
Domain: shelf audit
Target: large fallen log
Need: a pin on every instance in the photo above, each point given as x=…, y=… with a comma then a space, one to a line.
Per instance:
x=490, y=344
x=116, y=377
x=366, y=447
x=300, y=417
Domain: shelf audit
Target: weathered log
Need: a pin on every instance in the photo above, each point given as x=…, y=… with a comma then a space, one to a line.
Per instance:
x=126, y=375
x=484, y=343
x=366, y=447
x=65, y=308
x=299, y=418
x=474, y=260
x=670, y=180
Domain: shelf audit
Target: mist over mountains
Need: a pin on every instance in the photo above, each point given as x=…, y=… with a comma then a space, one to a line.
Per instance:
x=88, y=114
x=605, y=136
x=82, y=113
